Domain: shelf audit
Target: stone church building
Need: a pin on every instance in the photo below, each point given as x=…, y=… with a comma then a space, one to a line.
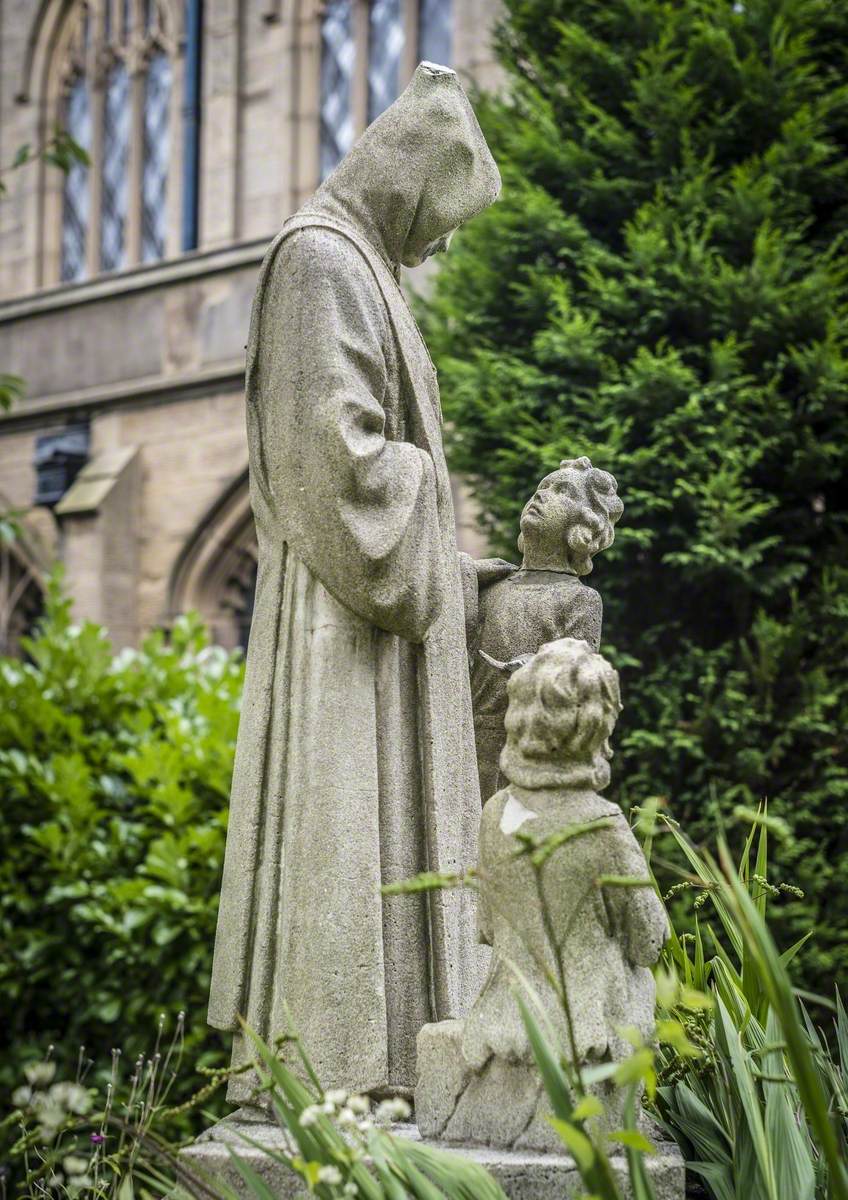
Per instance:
x=125, y=285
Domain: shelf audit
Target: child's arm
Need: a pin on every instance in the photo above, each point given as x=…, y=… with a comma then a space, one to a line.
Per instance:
x=581, y=615
x=476, y=574
x=637, y=913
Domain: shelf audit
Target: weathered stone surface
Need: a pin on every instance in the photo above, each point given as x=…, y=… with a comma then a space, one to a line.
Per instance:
x=524, y=1175
x=443, y=1075
x=503, y=1104
x=355, y=762
x=560, y=921
x=563, y=708
x=567, y=521
x=500, y=1106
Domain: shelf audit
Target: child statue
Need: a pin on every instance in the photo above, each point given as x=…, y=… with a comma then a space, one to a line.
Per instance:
x=563, y=705
x=568, y=519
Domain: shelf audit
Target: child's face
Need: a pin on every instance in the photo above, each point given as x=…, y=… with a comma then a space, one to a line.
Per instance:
x=554, y=506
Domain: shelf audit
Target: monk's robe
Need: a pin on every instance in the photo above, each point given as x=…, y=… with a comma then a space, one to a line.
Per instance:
x=355, y=759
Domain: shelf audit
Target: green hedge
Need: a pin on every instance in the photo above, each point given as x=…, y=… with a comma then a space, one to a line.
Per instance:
x=663, y=286
x=114, y=785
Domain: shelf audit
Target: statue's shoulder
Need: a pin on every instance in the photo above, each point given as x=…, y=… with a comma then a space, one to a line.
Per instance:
x=608, y=808
x=317, y=270
x=579, y=592
x=312, y=251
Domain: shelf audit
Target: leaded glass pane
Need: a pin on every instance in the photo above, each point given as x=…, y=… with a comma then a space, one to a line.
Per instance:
x=114, y=182
x=75, y=198
x=435, y=32
x=337, y=54
x=154, y=178
x=385, y=47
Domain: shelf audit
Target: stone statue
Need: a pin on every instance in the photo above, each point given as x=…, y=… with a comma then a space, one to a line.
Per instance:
x=477, y=1078
x=355, y=762
x=569, y=518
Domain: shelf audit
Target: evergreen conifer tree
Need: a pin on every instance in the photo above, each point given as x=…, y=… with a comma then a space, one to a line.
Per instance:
x=663, y=286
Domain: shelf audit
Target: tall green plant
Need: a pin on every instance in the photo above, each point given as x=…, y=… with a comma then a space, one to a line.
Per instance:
x=760, y=1111
x=663, y=285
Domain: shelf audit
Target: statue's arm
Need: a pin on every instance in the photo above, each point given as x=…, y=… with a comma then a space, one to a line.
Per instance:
x=475, y=574
x=638, y=912
x=359, y=506
x=582, y=616
x=470, y=599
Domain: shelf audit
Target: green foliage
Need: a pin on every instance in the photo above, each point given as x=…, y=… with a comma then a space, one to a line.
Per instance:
x=755, y=1097
x=663, y=286
x=71, y=1139
x=59, y=150
x=11, y=389
x=114, y=776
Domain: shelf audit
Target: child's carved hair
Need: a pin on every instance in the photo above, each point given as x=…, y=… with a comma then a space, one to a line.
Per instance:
x=563, y=705
x=595, y=530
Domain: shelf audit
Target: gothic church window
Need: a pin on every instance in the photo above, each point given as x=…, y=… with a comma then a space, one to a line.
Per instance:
x=154, y=177
x=385, y=47
x=337, y=55
x=120, y=64
x=434, y=31
x=369, y=49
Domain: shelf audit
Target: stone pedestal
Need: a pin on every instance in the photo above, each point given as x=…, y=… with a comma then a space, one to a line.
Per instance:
x=523, y=1174
x=503, y=1105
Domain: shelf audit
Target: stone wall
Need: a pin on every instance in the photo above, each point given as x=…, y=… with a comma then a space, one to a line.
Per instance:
x=151, y=357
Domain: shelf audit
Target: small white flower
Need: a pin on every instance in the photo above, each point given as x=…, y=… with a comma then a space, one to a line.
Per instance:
x=336, y=1097
x=327, y=1108
x=71, y=1096
x=346, y=1116
x=329, y=1175
x=77, y=1184
x=72, y=1164
x=50, y=1117
x=392, y=1110
x=365, y=1125
x=21, y=1096
x=40, y=1074
x=350, y=1189
x=359, y=1104
x=309, y=1115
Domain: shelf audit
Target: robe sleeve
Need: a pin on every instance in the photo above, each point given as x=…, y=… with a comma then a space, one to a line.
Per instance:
x=486, y=867
x=356, y=502
x=474, y=575
x=470, y=600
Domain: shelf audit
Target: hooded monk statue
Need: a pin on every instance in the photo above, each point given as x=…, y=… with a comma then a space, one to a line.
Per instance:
x=355, y=764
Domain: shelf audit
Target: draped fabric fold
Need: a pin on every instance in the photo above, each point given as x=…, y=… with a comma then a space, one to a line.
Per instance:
x=355, y=759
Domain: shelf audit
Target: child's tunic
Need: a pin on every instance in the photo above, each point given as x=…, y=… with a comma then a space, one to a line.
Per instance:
x=516, y=616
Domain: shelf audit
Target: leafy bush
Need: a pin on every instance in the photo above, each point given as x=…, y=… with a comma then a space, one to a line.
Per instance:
x=664, y=286
x=114, y=775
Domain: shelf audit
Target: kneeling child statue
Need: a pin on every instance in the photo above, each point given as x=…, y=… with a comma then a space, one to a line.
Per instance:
x=477, y=1077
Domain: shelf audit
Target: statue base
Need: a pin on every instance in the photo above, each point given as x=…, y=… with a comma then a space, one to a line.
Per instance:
x=523, y=1174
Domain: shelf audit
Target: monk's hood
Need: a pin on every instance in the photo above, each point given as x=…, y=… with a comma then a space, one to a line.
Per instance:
x=417, y=173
